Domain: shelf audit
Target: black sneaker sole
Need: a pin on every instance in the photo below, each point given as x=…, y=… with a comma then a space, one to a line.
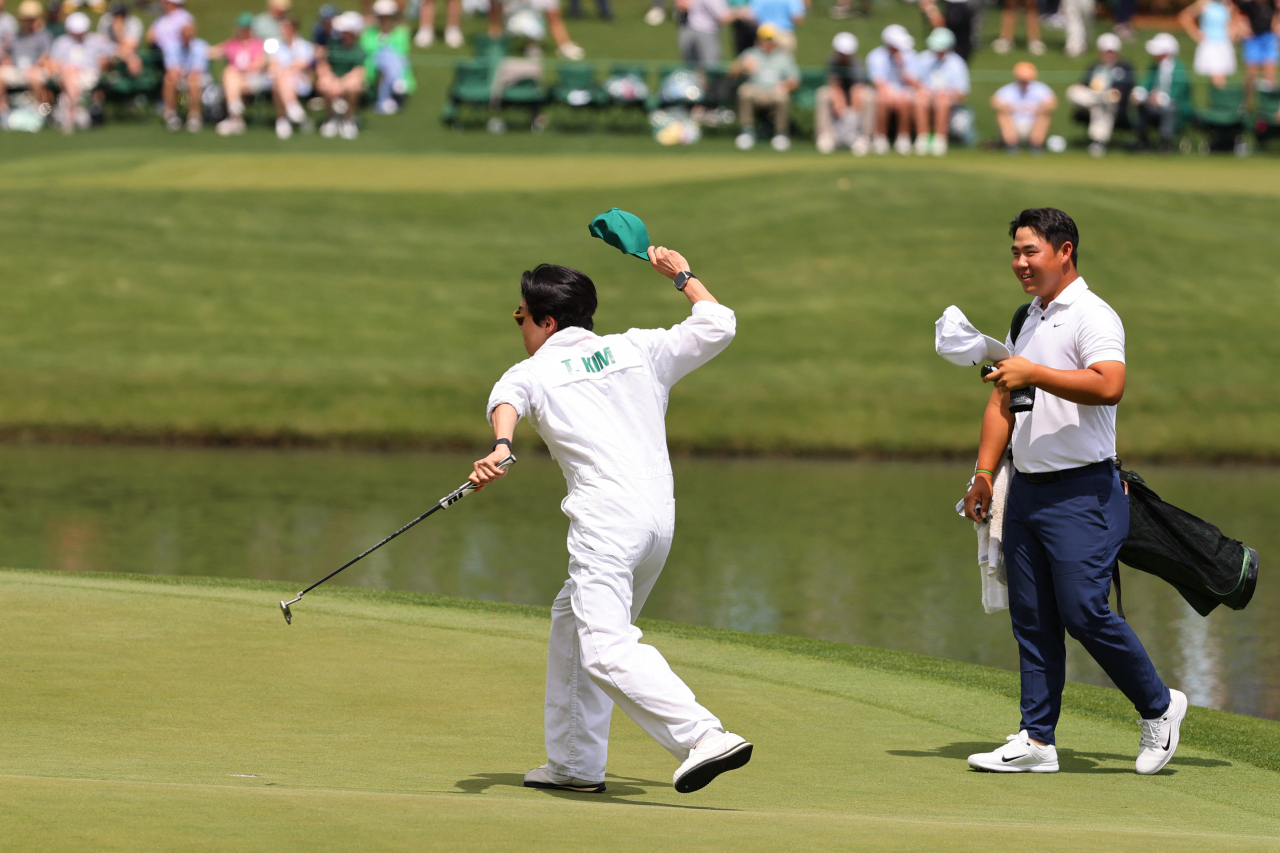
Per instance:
x=701, y=775
x=551, y=786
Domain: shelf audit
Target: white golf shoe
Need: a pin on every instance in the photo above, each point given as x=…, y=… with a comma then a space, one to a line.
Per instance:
x=880, y=144
x=424, y=37
x=1160, y=736
x=922, y=144
x=715, y=754
x=543, y=777
x=453, y=37
x=1019, y=755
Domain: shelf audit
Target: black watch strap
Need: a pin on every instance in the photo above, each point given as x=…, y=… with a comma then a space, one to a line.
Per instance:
x=682, y=278
x=505, y=441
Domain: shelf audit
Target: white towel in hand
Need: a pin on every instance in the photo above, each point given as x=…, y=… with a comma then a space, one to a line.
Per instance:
x=995, y=584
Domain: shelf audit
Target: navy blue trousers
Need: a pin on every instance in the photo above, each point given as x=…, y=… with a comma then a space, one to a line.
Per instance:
x=1060, y=546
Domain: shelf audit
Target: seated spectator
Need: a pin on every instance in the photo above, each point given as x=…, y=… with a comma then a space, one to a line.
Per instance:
x=323, y=29
x=125, y=32
x=784, y=15
x=290, y=66
x=266, y=24
x=77, y=59
x=165, y=31
x=1164, y=95
x=890, y=68
x=53, y=23
x=426, y=18
x=944, y=84
x=698, y=36
x=245, y=72
x=386, y=48
x=1024, y=109
x=23, y=64
x=186, y=66
x=844, y=109
x=1103, y=91
x=771, y=76
x=340, y=77
x=955, y=15
x=507, y=15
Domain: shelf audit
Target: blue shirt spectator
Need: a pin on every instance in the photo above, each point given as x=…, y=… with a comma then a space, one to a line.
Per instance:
x=944, y=72
x=190, y=57
x=781, y=13
x=890, y=66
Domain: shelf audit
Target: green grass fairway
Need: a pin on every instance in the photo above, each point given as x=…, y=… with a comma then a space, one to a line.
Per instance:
x=145, y=715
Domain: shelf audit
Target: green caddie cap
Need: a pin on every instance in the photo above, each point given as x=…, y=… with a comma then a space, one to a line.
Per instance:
x=624, y=231
x=244, y=19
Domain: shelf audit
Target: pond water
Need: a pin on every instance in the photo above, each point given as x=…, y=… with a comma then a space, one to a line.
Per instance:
x=868, y=553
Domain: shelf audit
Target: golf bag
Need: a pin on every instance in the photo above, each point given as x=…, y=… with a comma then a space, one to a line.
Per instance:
x=1190, y=554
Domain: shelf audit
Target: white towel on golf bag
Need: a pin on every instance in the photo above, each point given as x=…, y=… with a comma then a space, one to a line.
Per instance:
x=995, y=583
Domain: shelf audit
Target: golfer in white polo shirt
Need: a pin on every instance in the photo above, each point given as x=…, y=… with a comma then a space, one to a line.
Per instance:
x=1067, y=514
x=600, y=405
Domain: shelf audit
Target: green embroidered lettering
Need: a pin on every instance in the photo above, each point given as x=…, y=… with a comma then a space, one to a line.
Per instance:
x=568, y=365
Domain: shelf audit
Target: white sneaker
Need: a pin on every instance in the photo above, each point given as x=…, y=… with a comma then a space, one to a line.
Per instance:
x=348, y=129
x=542, y=777
x=296, y=113
x=938, y=147
x=781, y=142
x=230, y=126
x=745, y=141
x=1036, y=48
x=424, y=37
x=825, y=143
x=329, y=129
x=284, y=128
x=655, y=16
x=1097, y=149
x=453, y=37
x=172, y=123
x=1019, y=755
x=1001, y=45
x=387, y=107
x=715, y=754
x=880, y=144
x=861, y=145
x=571, y=52
x=902, y=144
x=1160, y=736
x=195, y=122
x=922, y=144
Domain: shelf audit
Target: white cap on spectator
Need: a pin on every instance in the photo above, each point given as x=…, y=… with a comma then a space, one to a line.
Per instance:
x=1109, y=42
x=386, y=8
x=896, y=35
x=1162, y=44
x=349, y=22
x=845, y=43
x=77, y=23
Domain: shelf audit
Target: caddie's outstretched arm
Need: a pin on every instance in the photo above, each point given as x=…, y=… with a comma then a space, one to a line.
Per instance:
x=670, y=263
x=504, y=427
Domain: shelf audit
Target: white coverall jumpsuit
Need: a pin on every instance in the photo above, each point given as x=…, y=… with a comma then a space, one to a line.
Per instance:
x=600, y=404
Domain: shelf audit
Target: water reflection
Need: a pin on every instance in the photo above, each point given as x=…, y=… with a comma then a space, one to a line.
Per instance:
x=858, y=552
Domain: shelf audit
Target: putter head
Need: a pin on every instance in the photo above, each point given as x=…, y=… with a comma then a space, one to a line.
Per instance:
x=288, y=617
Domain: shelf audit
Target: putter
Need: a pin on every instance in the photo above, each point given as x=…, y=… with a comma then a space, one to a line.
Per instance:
x=444, y=503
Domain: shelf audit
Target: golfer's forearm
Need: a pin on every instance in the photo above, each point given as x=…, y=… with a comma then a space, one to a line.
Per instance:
x=1089, y=387
x=696, y=292
x=504, y=421
x=997, y=428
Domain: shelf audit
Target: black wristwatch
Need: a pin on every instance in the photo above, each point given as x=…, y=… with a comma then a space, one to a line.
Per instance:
x=505, y=441
x=682, y=278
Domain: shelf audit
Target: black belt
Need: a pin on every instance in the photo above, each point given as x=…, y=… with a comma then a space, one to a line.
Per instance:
x=1069, y=473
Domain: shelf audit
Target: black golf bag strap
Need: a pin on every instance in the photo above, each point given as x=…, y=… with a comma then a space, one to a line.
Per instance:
x=1019, y=318
x=1115, y=580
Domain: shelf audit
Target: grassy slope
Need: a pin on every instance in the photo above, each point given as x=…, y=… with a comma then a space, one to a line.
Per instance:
x=132, y=705
x=315, y=311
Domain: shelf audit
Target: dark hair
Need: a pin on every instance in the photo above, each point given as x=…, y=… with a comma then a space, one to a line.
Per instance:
x=1051, y=224
x=562, y=293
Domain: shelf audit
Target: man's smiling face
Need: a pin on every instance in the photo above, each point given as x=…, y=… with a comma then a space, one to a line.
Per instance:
x=1038, y=266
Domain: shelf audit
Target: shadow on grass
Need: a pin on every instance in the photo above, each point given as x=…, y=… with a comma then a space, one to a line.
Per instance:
x=1069, y=760
x=617, y=790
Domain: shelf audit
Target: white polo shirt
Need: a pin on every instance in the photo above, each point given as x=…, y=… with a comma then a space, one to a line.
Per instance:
x=1077, y=330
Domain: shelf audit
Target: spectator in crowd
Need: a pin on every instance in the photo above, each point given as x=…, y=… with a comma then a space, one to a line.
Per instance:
x=699, y=34
x=575, y=9
x=771, y=76
x=955, y=15
x=1164, y=95
x=1009, y=23
x=340, y=77
x=1208, y=22
x=323, y=29
x=1261, y=48
x=502, y=14
x=386, y=48
x=784, y=16
x=266, y=24
x=77, y=59
x=844, y=111
x=944, y=84
x=743, y=31
x=1122, y=18
x=53, y=23
x=427, y=24
x=186, y=66
x=1024, y=109
x=290, y=66
x=22, y=66
x=8, y=29
x=1077, y=15
x=1103, y=91
x=890, y=69
x=245, y=72
x=165, y=31
x=125, y=32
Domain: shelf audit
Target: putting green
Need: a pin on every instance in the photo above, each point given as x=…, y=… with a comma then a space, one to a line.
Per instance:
x=180, y=715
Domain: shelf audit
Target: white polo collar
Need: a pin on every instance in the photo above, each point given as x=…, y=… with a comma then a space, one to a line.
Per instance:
x=1073, y=291
x=569, y=337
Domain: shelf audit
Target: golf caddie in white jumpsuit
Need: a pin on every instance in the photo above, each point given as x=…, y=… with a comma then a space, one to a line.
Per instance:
x=599, y=403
